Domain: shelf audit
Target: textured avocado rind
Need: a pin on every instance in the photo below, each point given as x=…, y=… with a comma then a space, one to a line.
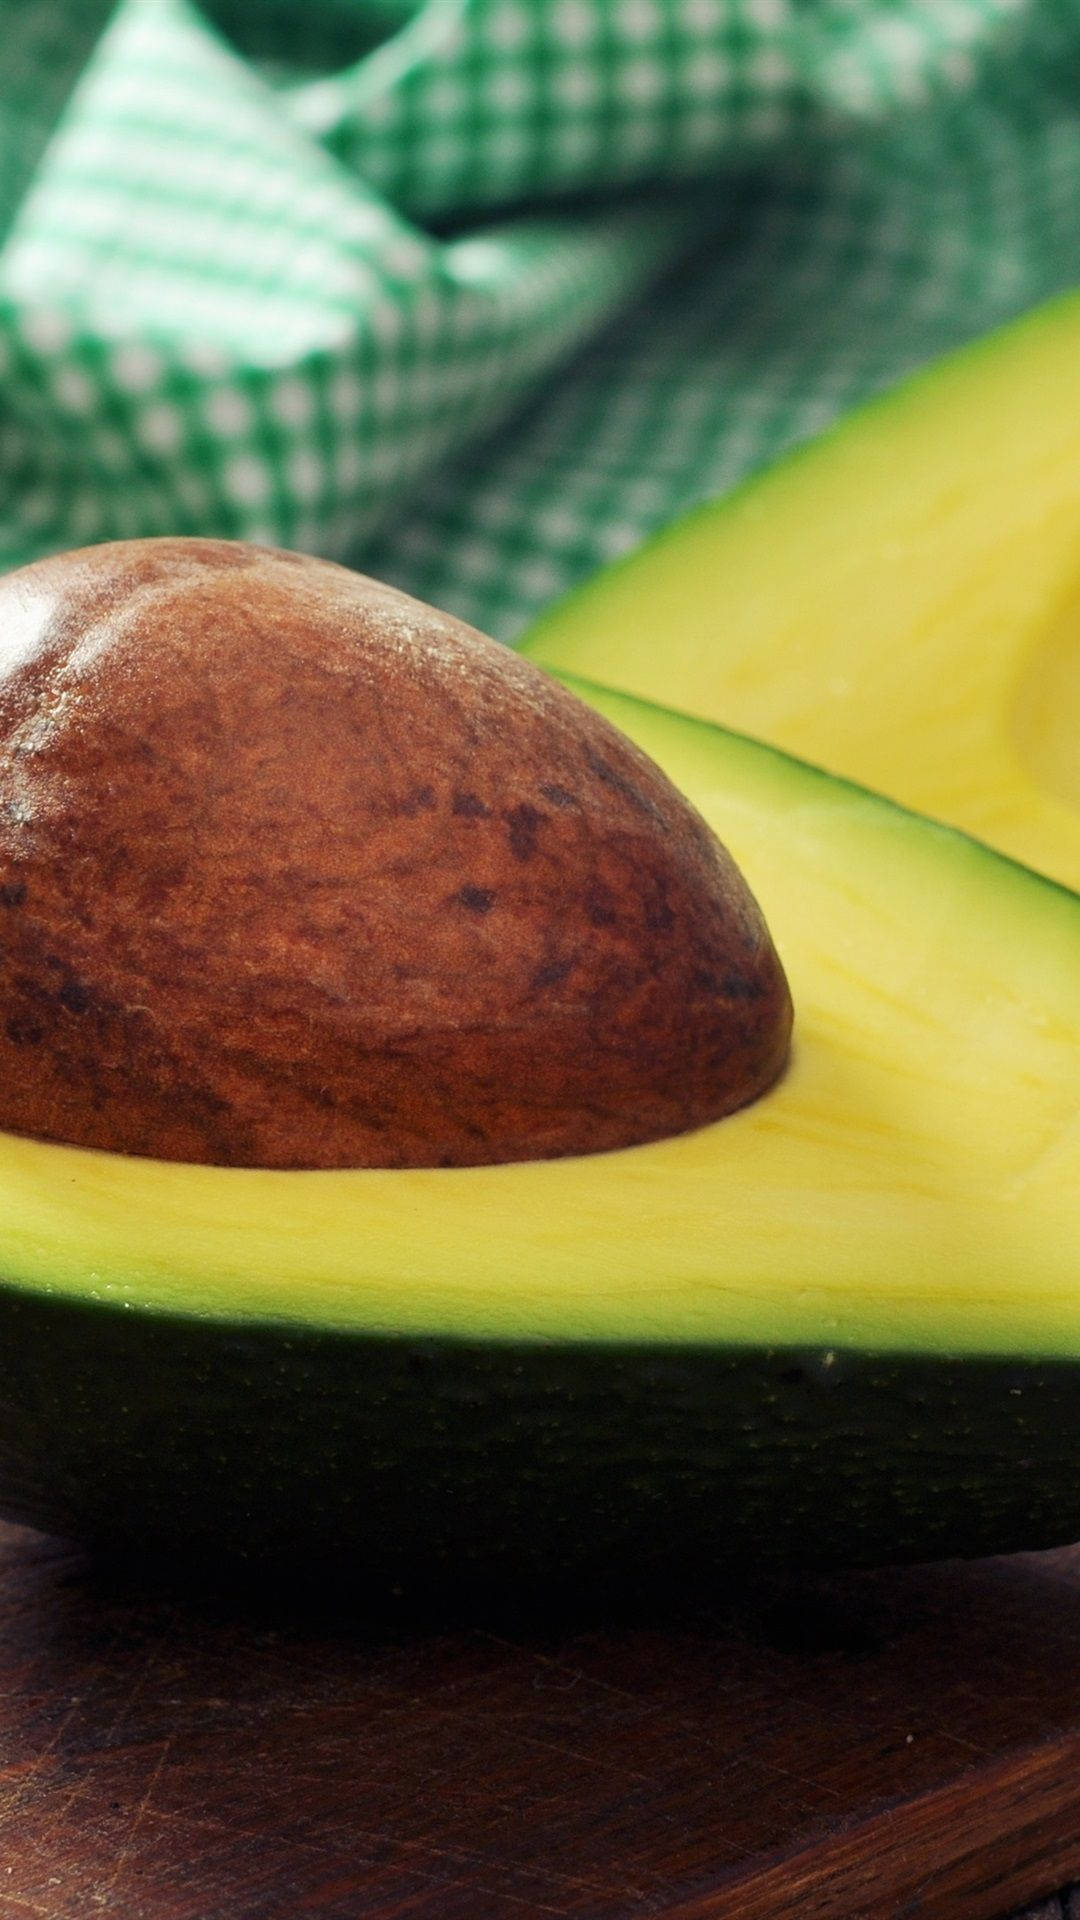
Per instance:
x=218, y=1447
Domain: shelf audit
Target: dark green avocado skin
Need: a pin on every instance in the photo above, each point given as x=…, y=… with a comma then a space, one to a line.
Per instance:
x=216, y=1448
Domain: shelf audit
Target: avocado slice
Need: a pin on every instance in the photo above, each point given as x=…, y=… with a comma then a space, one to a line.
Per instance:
x=897, y=601
x=841, y=1325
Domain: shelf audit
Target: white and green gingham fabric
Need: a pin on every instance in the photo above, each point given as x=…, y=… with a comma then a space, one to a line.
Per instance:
x=475, y=293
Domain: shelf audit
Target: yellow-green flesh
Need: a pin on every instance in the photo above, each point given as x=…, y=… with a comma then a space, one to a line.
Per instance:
x=913, y=1183
x=898, y=602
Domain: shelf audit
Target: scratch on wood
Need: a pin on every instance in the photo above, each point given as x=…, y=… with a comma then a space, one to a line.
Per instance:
x=24, y=1773
x=127, y=1844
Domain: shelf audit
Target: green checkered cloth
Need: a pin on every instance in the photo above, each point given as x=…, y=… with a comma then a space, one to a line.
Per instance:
x=476, y=293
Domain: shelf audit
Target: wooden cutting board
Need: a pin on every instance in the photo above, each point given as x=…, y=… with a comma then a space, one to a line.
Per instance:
x=892, y=1744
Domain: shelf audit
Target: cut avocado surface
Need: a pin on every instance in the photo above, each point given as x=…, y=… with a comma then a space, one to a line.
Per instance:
x=898, y=601
x=843, y=1323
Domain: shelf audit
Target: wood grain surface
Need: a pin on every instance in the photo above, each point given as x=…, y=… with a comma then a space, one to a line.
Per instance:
x=891, y=1744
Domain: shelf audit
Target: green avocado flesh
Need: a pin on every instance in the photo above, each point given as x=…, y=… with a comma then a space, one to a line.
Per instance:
x=898, y=601
x=843, y=1324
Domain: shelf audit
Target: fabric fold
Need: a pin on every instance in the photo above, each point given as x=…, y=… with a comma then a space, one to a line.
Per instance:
x=278, y=272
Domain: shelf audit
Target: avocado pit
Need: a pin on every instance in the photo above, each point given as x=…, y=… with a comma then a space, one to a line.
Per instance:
x=298, y=872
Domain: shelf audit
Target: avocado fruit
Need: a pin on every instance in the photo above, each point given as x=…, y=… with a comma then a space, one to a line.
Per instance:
x=841, y=1325
x=895, y=601
x=296, y=871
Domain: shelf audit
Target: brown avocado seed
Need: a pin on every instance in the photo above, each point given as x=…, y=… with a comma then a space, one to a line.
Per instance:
x=298, y=872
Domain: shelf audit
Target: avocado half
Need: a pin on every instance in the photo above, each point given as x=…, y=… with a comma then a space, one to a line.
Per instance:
x=898, y=601
x=842, y=1325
